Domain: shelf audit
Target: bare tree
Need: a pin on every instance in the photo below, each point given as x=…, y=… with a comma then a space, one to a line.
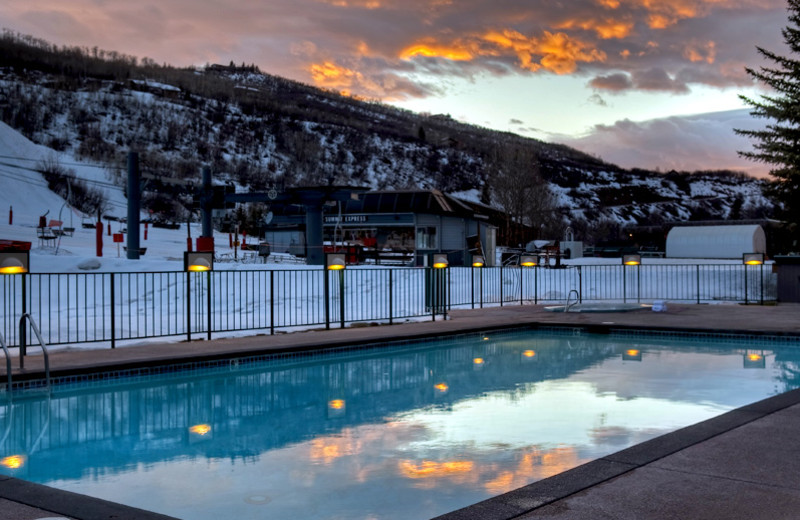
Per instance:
x=518, y=187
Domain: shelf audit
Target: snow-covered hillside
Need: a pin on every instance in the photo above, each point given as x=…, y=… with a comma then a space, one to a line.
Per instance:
x=24, y=192
x=258, y=130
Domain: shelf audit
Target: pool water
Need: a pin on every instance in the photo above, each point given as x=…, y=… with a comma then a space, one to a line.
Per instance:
x=395, y=432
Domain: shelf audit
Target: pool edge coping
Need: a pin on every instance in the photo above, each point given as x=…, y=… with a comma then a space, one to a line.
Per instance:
x=502, y=507
x=38, y=375
x=529, y=498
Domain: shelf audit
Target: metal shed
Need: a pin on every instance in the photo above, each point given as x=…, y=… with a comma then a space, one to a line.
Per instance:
x=715, y=241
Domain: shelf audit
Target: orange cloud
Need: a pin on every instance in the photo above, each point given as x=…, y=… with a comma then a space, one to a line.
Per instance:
x=432, y=469
x=606, y=29
x=330, y=75
x=666, y=13
x=364, y=4
x=557, y=52
x=701, y=52
x=431, y=49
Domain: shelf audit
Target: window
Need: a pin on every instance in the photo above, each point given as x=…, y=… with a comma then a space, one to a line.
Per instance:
x=426, y=237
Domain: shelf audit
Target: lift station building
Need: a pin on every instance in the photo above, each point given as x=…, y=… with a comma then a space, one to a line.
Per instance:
x=391, y=227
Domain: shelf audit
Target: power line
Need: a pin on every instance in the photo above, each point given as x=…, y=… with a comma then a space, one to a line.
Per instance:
x=87, y=165
x=83, y=179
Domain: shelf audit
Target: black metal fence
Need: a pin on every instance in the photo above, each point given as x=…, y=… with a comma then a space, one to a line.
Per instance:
x=111, y=307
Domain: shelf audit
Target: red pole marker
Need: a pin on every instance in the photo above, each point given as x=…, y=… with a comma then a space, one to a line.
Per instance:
x=99, y=238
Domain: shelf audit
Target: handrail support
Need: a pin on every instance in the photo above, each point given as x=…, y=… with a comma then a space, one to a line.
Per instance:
x=42, y=344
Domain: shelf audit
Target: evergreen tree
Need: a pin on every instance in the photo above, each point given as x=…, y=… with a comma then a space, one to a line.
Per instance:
x=778, y=144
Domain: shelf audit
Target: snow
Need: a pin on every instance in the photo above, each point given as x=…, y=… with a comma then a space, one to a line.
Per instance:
x=26, y=190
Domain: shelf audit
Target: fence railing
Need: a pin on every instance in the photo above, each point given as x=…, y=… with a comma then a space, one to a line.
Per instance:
x=110, y=307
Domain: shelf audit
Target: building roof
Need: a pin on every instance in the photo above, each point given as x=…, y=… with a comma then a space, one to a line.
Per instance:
x=399, y=201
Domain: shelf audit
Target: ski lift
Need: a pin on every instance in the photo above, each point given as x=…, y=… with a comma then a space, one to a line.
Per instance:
x=87, y=222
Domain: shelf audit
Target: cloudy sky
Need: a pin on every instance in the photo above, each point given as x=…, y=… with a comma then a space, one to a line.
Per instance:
x=647, y=83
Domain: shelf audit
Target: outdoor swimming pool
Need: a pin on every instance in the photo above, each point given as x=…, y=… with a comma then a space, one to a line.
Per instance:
x=405, y=431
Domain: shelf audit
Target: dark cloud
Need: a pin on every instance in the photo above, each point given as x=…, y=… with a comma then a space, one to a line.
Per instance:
x=659, y=80
x=516, y=122
x=616, y=82
x=388, y=45
x=597, y=99
x=700, y=142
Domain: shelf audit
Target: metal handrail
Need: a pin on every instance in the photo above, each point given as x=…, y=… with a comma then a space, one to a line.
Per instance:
x=23, y=346
x=8, y=361
x=567, y=305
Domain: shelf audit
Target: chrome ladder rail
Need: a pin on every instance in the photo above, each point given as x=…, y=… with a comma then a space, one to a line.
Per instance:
x=567, y=305
x=8, y=361
x=23, y=346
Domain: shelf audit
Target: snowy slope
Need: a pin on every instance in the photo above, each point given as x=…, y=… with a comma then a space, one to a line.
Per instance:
x=25, y=191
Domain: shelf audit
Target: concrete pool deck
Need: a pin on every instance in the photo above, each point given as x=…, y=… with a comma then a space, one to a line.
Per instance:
x=743, y=464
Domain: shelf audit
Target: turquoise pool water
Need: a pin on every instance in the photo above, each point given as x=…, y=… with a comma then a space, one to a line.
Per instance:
x=395, y=432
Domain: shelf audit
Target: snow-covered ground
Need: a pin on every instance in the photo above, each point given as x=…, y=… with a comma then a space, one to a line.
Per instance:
x=76, y=309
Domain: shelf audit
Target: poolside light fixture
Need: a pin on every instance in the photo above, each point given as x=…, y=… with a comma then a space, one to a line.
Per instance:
x=200, y=429
x=440, y=260
x=632, y=354
x=13, y=462
x=528, y=261
x=632, y=259
x=755, y=360
x=478, y=261
x=529, y=353
x=14, y=262
x=753, y=258
x=335, y=261
x=198, y=261
x=337, y=408
x=478, y=361
x=441, y=387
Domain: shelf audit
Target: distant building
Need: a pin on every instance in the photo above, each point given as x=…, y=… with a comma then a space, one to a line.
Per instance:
x=715, y=241
x=386, y=227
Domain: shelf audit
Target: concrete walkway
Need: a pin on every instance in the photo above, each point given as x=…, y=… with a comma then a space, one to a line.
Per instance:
x=743, y=464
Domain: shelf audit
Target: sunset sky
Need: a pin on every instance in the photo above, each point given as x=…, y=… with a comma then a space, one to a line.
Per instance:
x=646, y=83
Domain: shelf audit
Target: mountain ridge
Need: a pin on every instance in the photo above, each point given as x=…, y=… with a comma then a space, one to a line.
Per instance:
x=257, y=130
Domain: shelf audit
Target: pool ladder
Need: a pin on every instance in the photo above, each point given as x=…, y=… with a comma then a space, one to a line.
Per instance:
x=23, y=347
x=8, y=361
x=567, y=305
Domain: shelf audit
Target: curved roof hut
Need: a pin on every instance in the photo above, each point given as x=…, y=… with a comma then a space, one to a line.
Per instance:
x=715, y=241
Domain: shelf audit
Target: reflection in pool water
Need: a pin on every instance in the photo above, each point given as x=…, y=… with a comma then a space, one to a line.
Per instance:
x=406, y=432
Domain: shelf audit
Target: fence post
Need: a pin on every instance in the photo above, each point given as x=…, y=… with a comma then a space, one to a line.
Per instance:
x=326, y=297
x=580, y=285
x=745, y=283
x=391, y=308
x=272, y=302
x=761, y=276
x=697, y=269
x=341, y=297
x=501, y=286
x=208, y=303
x=188, y=306
x=472, y=285
x=624, y=284
x=446, y=292
x=638, y=284
x=113, y=313
x=480, y=286
x=536, y=284
x=521, y=283
x=22, y=332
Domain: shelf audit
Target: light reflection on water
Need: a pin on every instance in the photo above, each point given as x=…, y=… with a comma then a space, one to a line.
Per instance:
x=396, y=433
